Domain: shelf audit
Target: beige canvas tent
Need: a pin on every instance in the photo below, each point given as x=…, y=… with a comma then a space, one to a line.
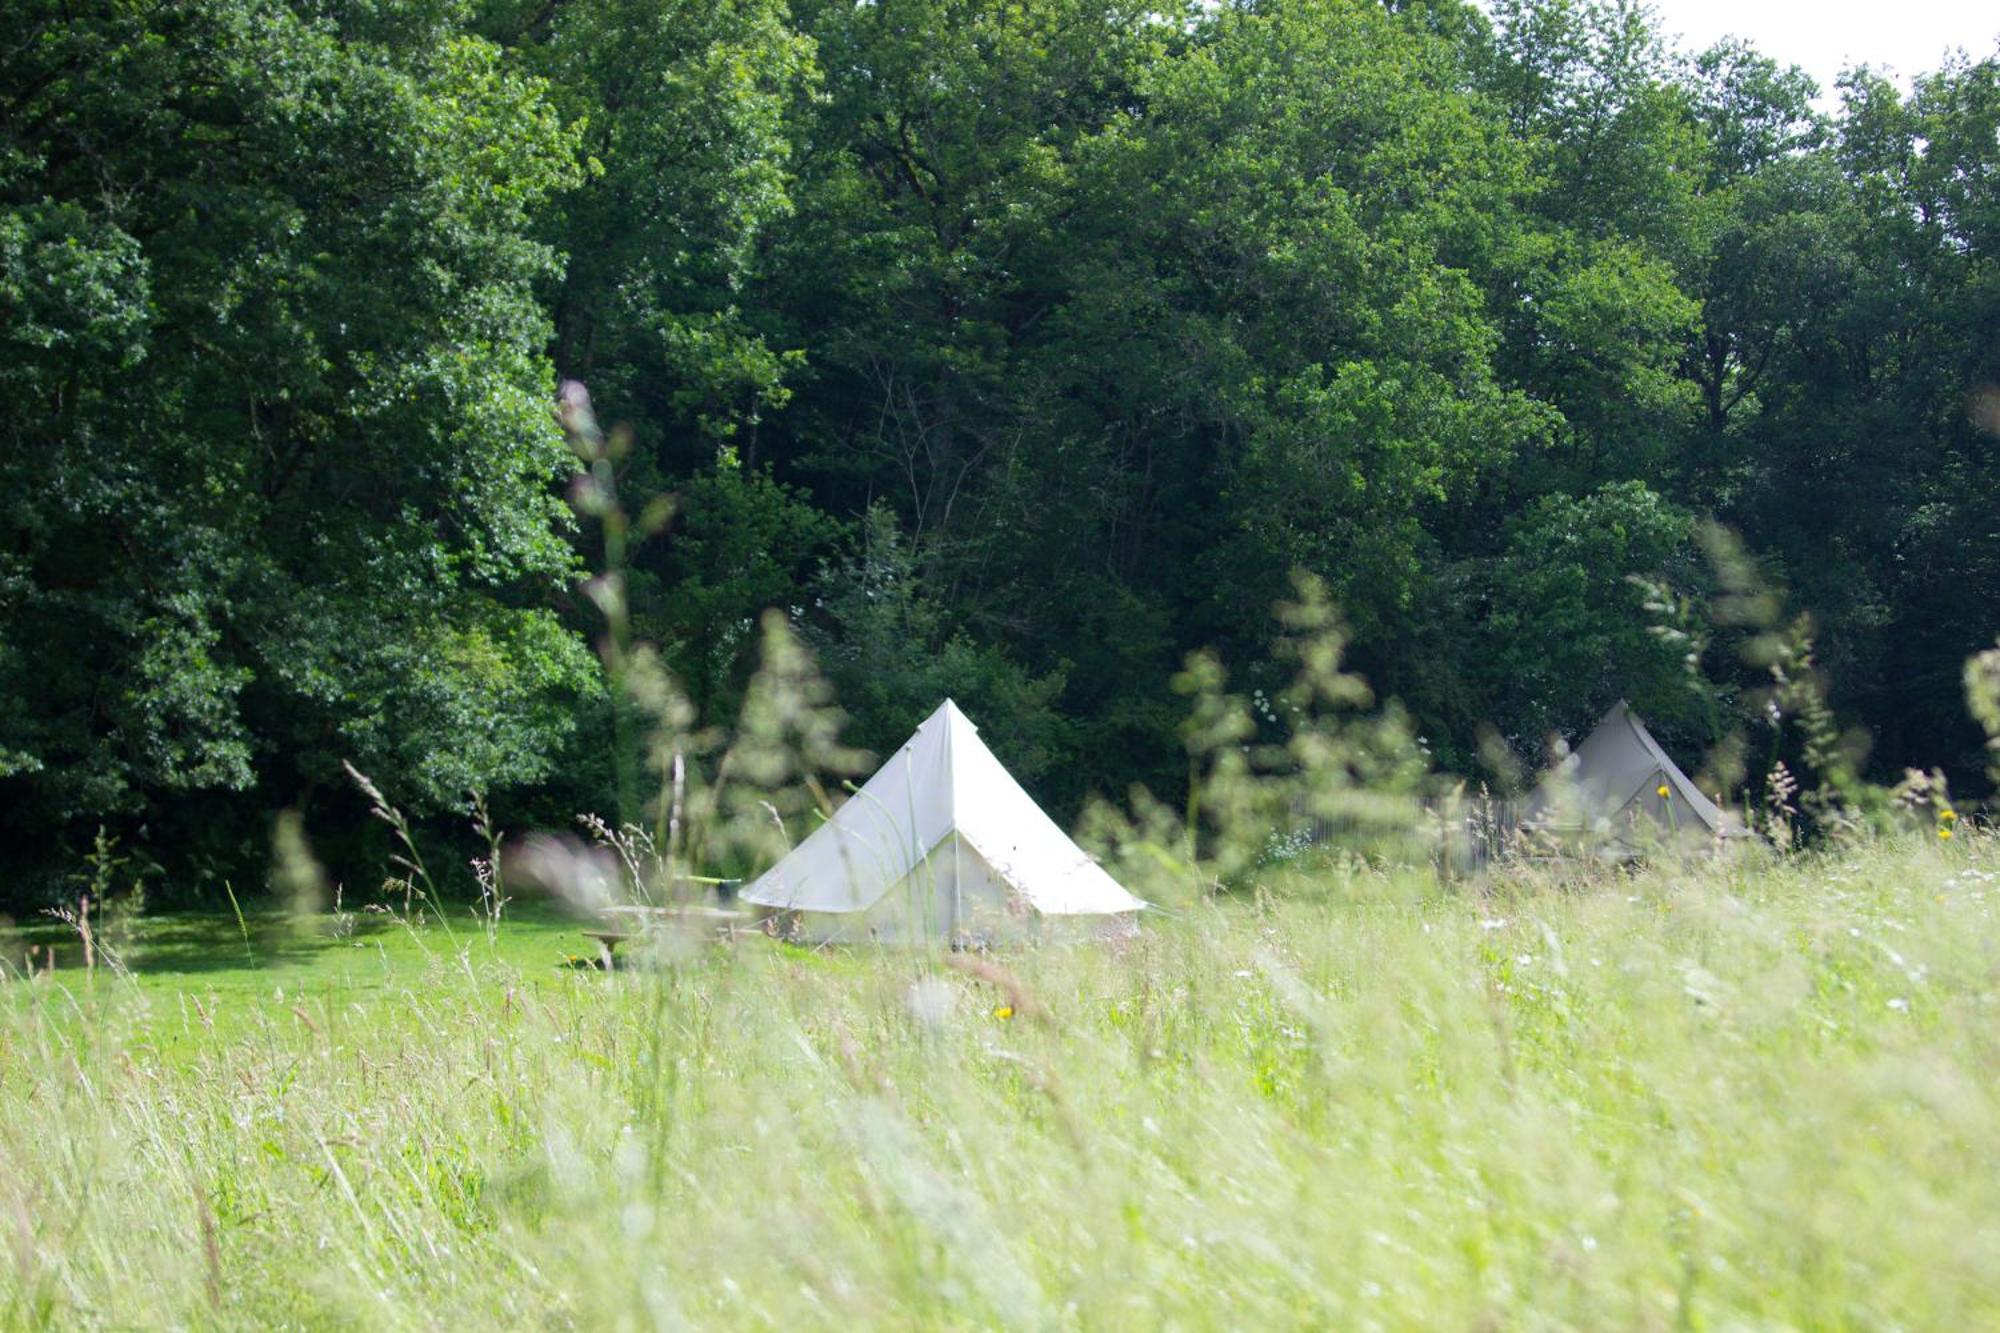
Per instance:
x=1609, y=788
x=941, y=845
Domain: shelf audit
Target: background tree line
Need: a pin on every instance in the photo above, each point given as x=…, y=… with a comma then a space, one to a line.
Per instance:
x=1015, y=348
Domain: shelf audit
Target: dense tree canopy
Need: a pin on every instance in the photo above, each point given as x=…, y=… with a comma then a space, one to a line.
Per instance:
x=1014, y=349
x=279, y=468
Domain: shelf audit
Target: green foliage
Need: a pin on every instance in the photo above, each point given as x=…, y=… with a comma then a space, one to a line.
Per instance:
x=680, y=118
x=277, y=472
x=1569, y=629
x=893, y=654
x=741, y=543
x=1098, y=320
x=1306, y=242
x=1982, y=694
x=1863, y=470
x=1309, y=754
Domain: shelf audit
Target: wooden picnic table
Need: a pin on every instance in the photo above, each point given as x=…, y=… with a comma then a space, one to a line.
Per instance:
x=630, y=921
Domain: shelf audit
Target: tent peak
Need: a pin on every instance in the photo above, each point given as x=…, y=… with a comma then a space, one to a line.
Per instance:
x=948, y=710
x=940, y=719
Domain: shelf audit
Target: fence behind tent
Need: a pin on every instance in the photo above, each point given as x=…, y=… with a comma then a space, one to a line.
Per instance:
x=1466, y=830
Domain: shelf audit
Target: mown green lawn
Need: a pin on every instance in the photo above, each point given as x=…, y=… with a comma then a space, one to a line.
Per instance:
x=1758, y=1096
x=230, y=969
x=180, y=950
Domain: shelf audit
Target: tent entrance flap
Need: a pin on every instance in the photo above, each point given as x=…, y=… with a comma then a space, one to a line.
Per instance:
x=952, y=894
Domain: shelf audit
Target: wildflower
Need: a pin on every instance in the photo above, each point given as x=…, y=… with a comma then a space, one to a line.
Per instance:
x=1944, y=833
x=1948, y=815
x=1003, y=1012
x=1664, y=792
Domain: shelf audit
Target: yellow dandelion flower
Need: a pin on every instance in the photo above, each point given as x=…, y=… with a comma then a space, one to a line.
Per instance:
x=1944, y=833
x=1948, y=815
x=1664, y=791
x=1003, y=1012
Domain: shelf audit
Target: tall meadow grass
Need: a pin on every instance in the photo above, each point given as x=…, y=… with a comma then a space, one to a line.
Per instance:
x=1761, y=1095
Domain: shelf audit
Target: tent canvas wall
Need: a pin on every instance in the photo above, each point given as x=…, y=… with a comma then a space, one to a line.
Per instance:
x=941, y=844
x=1610, y=787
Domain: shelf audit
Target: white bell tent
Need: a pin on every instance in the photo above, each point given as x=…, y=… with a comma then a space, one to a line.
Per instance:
x=1610, y=787
x=940, y=845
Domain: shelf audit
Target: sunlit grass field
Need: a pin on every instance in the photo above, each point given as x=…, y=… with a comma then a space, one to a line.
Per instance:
x=1758, y=1096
